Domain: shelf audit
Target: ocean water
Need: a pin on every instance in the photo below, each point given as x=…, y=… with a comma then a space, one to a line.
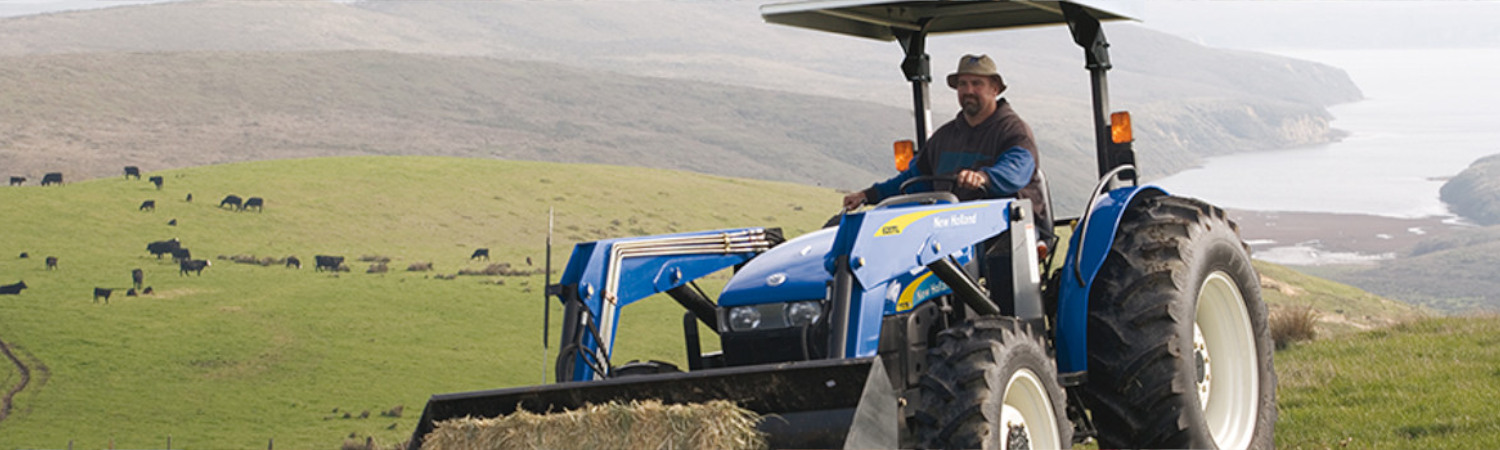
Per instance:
x=1427, y=115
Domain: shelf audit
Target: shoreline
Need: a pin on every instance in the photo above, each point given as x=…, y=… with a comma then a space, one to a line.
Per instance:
x=1315, y=239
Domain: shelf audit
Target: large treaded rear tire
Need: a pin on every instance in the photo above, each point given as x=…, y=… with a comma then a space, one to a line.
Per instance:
x=991, y=384
x=1179, y=349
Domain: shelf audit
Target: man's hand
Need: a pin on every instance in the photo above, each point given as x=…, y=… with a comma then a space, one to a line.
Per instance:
x=854, y=200
x=969, y=179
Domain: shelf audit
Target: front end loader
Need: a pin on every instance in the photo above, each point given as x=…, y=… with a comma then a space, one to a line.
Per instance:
x=880, y=332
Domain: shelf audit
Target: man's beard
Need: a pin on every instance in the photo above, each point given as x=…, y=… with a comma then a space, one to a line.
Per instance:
x=972, y=105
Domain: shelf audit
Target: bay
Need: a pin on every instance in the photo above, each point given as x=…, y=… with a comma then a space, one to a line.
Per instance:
x=1427, y=115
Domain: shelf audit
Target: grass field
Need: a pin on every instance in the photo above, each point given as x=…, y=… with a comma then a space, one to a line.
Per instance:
x=1430, y=383
x=246, y=354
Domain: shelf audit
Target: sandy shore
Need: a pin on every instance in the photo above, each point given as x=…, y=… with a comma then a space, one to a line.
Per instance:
x=1300, y=238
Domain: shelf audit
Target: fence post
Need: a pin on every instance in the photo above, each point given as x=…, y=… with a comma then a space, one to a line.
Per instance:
x=271, y=445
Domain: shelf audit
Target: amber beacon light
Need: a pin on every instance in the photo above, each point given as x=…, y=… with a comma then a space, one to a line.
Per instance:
x=1119, y=127
x=905, y=149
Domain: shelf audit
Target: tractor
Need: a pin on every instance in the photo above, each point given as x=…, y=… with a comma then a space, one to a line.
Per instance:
x=879, y=331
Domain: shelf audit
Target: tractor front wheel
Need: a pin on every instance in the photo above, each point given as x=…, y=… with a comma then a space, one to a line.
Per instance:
x=1179, y=349
x=991, y=384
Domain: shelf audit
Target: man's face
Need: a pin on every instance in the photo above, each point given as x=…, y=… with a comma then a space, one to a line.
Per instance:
x=975, y=93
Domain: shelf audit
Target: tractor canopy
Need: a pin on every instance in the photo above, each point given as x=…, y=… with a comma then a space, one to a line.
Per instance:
x=881, y=19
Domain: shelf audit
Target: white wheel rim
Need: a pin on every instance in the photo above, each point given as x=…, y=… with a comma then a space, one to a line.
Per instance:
x=1229, y=388
x=1028, y=410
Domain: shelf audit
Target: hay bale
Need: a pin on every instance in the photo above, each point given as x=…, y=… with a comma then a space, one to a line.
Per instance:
x=648, y=424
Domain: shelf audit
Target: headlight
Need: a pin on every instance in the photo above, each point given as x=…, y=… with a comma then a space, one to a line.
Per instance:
x=803, y=313
x=743, y=318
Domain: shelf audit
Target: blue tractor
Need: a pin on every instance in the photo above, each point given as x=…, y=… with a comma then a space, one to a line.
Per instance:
x=879, y=332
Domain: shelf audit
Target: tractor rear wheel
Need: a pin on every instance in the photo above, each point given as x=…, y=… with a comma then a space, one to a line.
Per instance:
x=991, y=384
x=1179, y=349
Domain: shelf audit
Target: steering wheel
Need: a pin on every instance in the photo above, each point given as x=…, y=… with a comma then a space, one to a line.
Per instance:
x=951, y=182
x=946, y=195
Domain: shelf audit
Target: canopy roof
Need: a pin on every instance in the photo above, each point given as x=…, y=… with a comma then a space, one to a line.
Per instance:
x=877, y=19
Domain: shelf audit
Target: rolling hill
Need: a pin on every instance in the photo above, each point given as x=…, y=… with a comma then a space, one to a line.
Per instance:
x=700, y=86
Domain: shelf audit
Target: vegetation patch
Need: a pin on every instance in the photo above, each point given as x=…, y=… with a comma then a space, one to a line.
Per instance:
x=635, y=425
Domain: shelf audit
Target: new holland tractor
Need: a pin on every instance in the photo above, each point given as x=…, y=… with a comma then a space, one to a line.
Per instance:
x=879, y=332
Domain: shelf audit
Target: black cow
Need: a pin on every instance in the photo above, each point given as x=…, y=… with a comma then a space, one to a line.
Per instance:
x=328, y=262
x=13, y=289
x=17, y=181
x=25, y=255
x=233, y=201
x=156, y=181
x=103, y=293
x=148, y=205
x=166, y=247
x=137, y=277
x=172, y=223
x=52, y=178
x=181, y=254
x=51, y=262
x=253, y=202
x=292, y=261
x=193, y=265
x=480, y=253
x=190, y=197
x=130, y=293
x=148, y=291
x=132, y=171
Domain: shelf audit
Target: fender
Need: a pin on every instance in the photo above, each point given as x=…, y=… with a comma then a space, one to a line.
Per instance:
x=1097, y=236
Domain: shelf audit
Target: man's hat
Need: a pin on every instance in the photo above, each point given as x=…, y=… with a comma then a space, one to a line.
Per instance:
x=975, y=65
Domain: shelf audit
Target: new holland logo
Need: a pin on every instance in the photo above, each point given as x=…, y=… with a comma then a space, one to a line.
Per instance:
x=898, y=224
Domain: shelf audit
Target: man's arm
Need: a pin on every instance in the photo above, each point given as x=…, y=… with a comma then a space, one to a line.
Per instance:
x=1011, y=172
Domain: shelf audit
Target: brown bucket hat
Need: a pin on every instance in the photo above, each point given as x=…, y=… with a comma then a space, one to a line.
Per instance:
x=976, y=65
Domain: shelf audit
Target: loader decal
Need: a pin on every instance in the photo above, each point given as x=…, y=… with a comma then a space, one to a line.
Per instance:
x=924, y=287
x=898, y=224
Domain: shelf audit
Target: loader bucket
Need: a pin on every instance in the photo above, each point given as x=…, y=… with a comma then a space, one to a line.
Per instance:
x=845, y=403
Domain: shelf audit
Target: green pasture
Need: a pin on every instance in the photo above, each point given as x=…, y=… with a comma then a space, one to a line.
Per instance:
x=245, y=355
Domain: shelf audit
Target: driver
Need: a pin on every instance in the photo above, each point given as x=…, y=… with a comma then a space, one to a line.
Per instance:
x=987, y=149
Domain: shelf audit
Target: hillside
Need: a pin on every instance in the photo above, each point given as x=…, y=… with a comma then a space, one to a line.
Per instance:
x=662, y=84
x=1475, y=192
x=246, y=353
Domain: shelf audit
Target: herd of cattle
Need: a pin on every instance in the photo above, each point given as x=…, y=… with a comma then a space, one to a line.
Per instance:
x=187, y=264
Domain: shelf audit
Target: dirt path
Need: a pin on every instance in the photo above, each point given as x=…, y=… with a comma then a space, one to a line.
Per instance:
x=5, y=402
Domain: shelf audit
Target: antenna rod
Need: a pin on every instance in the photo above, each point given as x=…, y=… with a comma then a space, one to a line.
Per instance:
x=546, y=305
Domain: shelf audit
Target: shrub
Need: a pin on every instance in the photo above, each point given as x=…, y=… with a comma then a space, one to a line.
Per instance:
x=1293, y=324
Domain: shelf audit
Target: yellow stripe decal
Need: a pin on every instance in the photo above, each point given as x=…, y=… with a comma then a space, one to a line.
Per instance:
x=904, y=303
x=897, y=225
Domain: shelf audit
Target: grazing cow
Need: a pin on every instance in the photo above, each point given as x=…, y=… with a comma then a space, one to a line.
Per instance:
x=103, y=293
x=51, y=262
x=130, y=293
x=137, y=277
x=232, y=200
x=528, y=260
x=193, y=265
x=17, y=181
x=480, y=253
x=52, y=178
x=156, y=181
x=328, y=262
x=172, y=223
x=419, y=267
x=148, y=291
x=148, y=205
x=253, y=202
x=292, y=261
x=132, y=171
x=379, y=267
x=24, y=255
x=190, y=197
x=12, y=289
x=181, y=254
x=166, y=247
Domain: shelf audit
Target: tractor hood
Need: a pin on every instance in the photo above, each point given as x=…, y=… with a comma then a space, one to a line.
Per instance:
x=791, y=271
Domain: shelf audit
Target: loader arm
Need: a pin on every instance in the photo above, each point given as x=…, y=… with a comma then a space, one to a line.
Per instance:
x=604, y=276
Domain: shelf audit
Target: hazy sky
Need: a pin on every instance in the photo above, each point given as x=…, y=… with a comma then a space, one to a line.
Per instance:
x=1244, y=24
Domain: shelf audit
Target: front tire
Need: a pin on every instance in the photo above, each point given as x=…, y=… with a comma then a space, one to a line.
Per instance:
x=991, y=384
x=1180, y=355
